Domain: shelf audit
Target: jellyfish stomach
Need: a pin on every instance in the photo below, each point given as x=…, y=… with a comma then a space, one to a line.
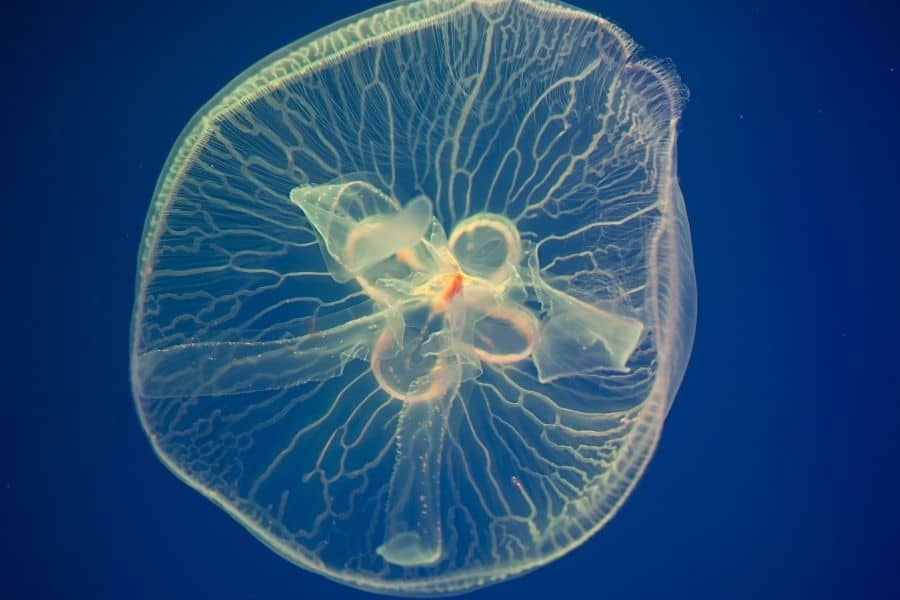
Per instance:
x=410, y=366
x=486, y=245
x=504, y=333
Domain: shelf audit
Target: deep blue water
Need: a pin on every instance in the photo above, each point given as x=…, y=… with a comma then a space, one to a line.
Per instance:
x=778, y=475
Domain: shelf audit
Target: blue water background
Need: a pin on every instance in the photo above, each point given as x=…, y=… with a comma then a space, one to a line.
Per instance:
x=778, y=472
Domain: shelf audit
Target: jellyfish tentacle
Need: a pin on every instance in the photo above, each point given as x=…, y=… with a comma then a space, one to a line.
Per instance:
x=413, y=536
x=425, y=376
x=226, y=368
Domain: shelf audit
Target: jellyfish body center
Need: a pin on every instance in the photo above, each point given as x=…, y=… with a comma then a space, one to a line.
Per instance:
x=447, y=304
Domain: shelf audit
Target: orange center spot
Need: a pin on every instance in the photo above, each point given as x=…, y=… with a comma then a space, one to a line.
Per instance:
x=453, y=287
x=445, y=287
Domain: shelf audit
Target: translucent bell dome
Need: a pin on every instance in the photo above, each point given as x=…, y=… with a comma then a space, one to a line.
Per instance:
x=415, y=293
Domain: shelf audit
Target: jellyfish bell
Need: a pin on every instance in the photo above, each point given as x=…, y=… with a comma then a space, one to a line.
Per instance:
x=415, y=293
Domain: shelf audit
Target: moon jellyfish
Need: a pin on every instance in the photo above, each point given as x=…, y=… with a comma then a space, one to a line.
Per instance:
x=415, y=293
